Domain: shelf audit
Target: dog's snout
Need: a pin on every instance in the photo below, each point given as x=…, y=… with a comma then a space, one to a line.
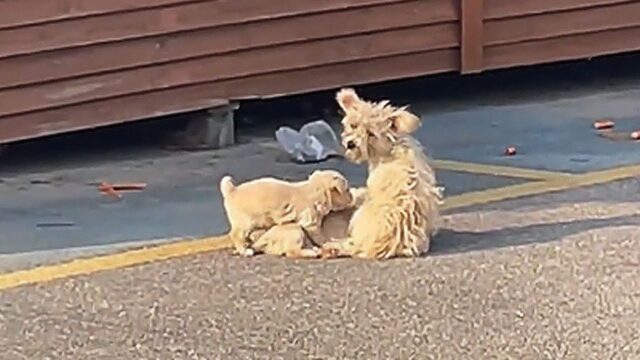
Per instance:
x=351, y=144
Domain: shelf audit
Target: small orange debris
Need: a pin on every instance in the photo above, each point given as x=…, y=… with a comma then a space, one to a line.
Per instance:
x=635, y=135
x=107, y=189
x=510, y=151
x=603, y=124
x=113, y=189
x=129, y=186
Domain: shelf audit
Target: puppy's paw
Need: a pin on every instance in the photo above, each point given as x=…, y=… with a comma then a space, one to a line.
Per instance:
x=312, y=253
x=328, y=253
x=246, y=252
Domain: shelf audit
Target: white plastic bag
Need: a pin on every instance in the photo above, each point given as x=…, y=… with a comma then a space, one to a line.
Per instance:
x=315, y=141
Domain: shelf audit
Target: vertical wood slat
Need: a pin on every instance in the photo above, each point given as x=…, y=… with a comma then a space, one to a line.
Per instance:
x=472, y=37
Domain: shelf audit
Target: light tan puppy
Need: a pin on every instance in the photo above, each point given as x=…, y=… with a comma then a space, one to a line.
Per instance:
x=289, y=240
x=400, y=207
x=336, y=224
x=261, y=204
x=292, y=240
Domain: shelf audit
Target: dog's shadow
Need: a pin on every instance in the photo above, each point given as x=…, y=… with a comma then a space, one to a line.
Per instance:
x=448, y=241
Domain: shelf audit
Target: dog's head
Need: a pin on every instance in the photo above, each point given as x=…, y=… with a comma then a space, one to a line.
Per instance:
x=335, y=188
x=370, y=130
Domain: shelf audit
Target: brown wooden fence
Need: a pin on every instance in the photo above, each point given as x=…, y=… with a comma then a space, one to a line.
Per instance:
x=74, y=64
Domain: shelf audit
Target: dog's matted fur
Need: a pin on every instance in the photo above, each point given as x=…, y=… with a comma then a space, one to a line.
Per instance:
x=272, y=207
x=400, y=209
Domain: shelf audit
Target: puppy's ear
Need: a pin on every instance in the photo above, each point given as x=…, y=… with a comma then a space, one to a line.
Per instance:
x=333, y=196
x=404, y=122
x=337, y=189
x=340, y=196
x=347, y=99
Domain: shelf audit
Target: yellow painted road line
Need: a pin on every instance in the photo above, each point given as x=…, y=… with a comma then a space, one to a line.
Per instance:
x=110, y=262
x=498, y=170
x=196, y=246
x=541, y=187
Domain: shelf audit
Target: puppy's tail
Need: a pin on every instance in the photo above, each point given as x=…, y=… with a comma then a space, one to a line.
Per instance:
x=226, y=186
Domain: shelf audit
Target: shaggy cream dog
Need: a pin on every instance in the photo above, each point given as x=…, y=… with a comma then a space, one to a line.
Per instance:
x=260, y=205
x=400, y=202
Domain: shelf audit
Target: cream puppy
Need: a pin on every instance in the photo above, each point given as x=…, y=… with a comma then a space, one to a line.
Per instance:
x=264, y=203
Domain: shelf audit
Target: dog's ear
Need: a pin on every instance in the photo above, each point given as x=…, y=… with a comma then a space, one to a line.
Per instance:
x=404, y=122
x=347, y=99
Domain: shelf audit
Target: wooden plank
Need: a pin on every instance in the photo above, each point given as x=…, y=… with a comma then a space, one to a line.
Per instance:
x=472, y=39
x=335, y=75
x=551, y=25
x=162, y=102
x=135, y=24
x=28, y=12
x=103, y=113
x=564, y=48
x=498, y=9
x=210, y=41
x=231, y=65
